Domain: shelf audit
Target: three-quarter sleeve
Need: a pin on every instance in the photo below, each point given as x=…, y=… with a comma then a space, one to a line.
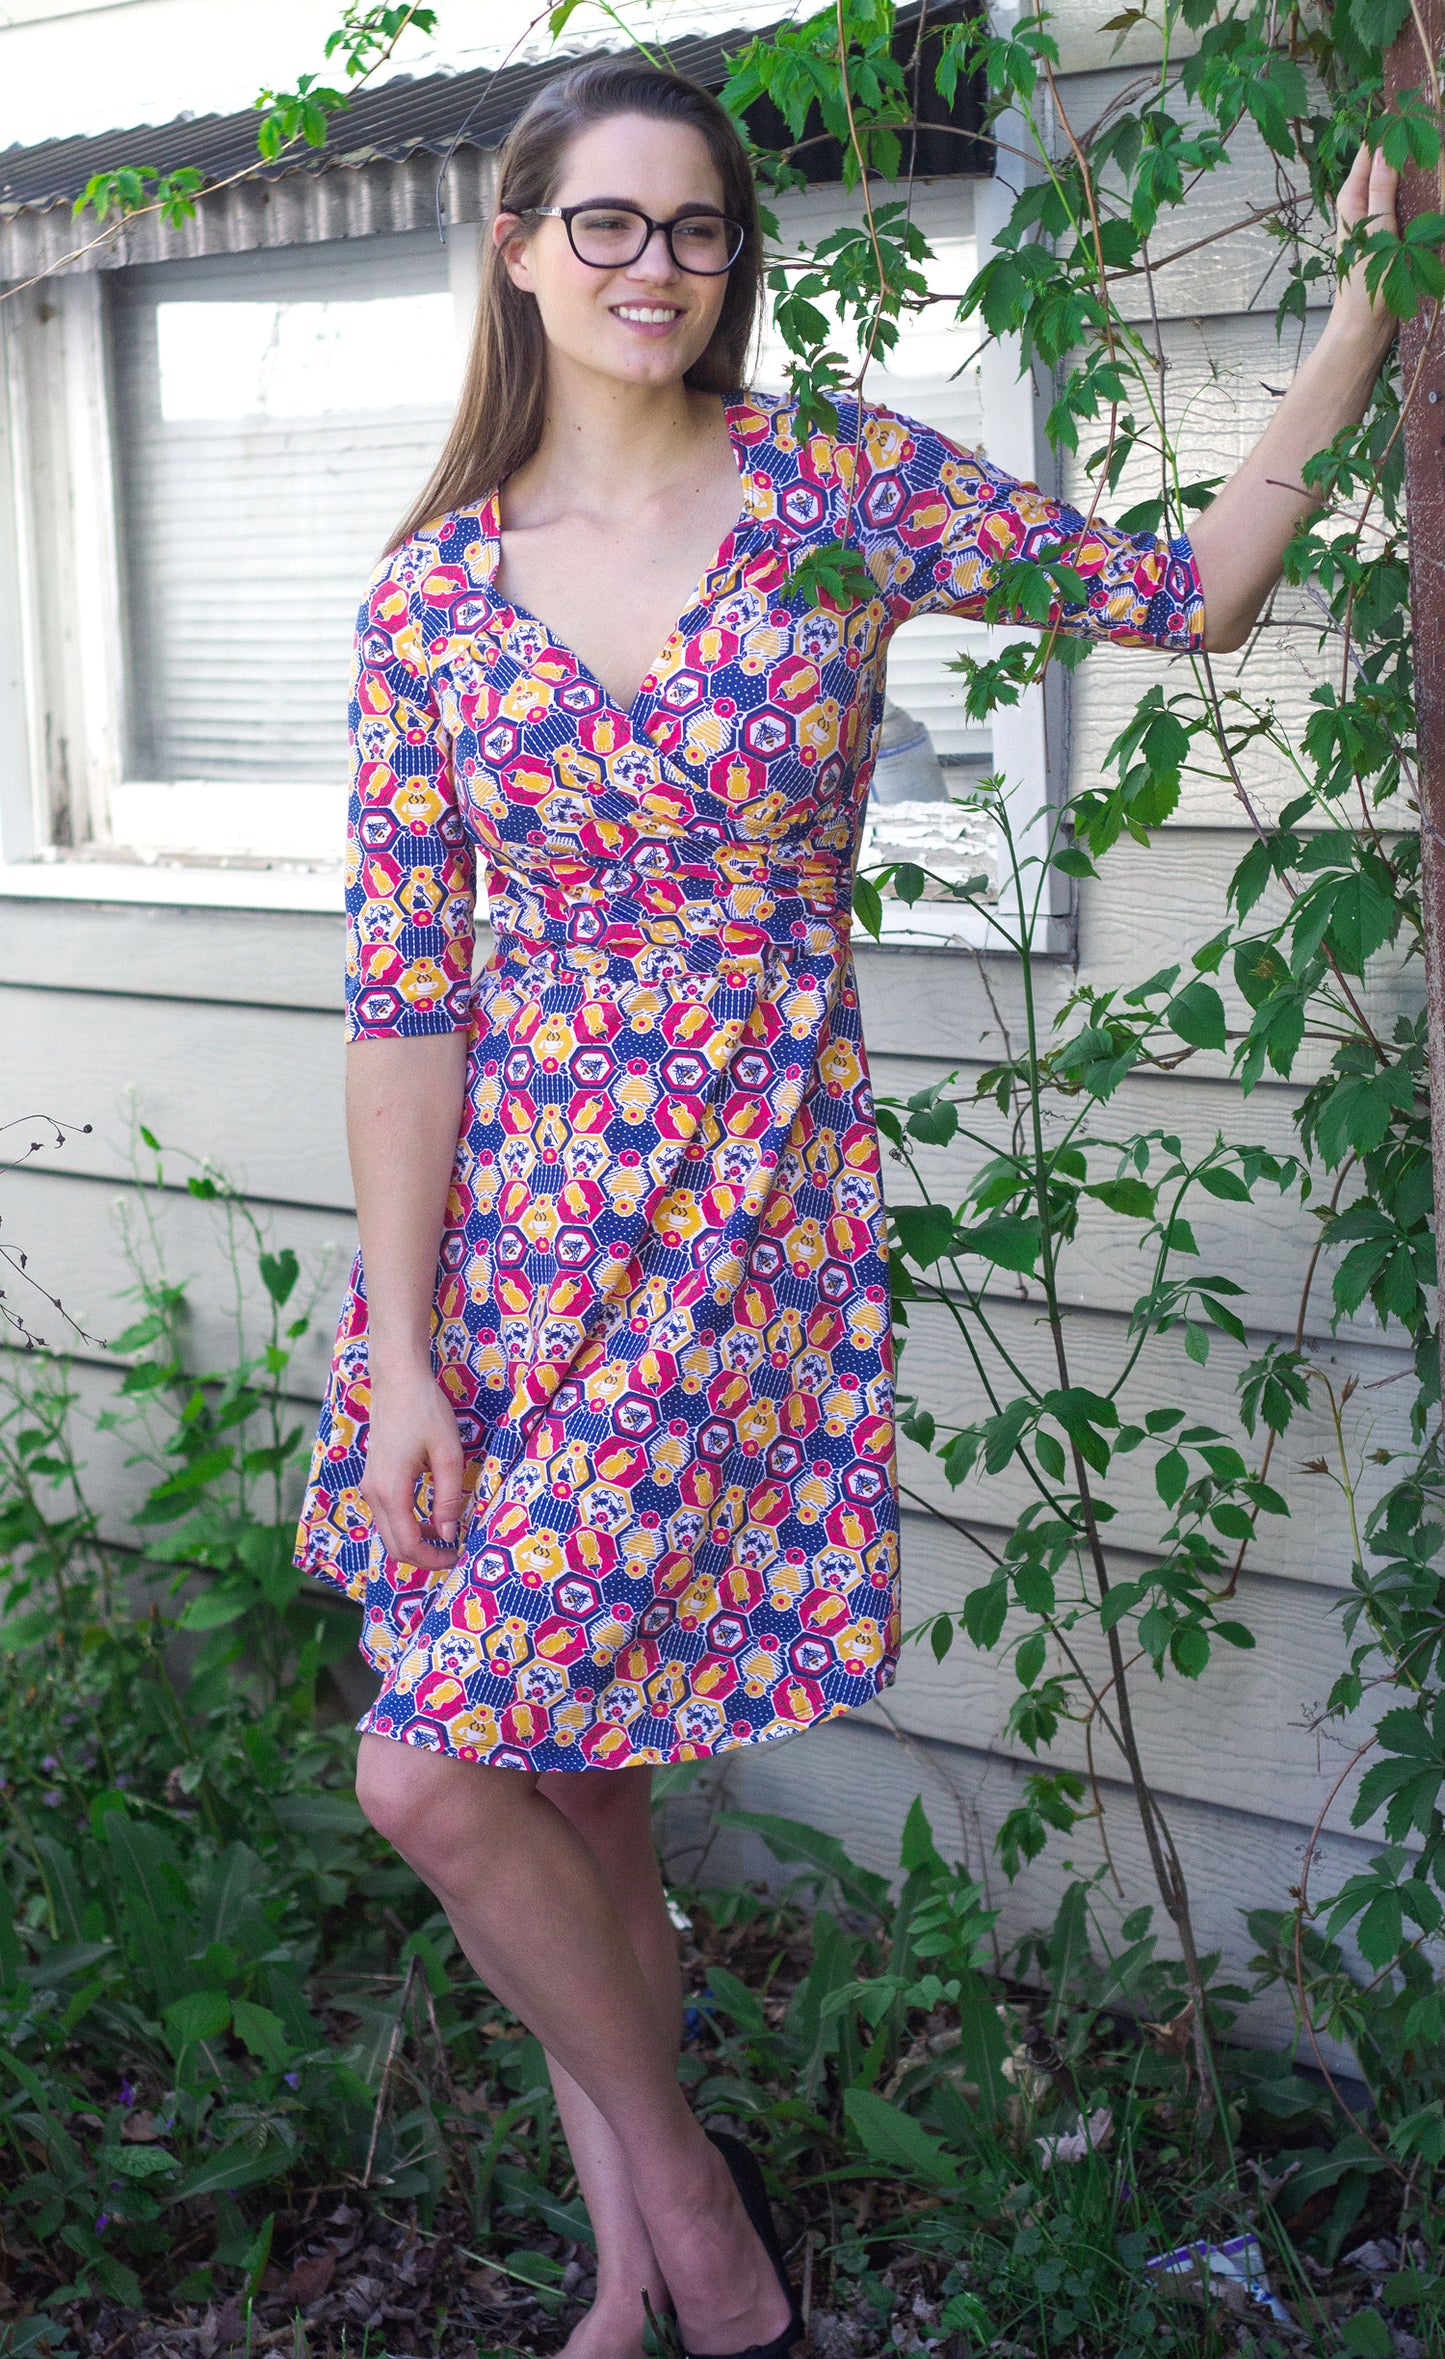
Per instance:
x=410, y=864
x=934, y=521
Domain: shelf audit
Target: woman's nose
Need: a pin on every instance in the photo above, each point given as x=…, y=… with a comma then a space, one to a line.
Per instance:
x=655, y=261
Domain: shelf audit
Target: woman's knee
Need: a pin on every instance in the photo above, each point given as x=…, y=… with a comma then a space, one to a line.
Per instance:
x=433, y=1809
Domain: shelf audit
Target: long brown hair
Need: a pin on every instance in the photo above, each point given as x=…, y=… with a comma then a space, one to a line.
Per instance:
x=502, y=405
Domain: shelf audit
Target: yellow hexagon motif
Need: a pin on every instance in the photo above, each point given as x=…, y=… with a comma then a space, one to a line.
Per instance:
x=758, y=1425
x=554, y=1037
x=698, y=1602
x=540, y=1553
x=577, y=770
x=787, y=1583
x=805, y=1246
x=818, y=726
x=862, y=1642
x=866, y=1322
x=417, y=803
x=605, y=1507
x=813, y=1495
x=607, y=1637
x=508, y=1643
x=666, y=1688
x=839, y=1066
x=572, y=1719
x=423, y=979
x=476, y=1728
x=760, y=1667
x=541, y=1221
x=669, y=1456
x=680, y=1215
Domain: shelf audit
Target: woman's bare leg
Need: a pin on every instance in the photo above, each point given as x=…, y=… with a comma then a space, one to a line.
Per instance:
x=612, y=1811
x=530, y=1906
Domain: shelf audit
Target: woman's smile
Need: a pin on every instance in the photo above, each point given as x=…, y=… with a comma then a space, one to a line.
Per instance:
x=653, y=318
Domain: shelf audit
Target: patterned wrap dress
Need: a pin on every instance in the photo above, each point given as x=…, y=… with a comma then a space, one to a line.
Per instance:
x=662, y=1311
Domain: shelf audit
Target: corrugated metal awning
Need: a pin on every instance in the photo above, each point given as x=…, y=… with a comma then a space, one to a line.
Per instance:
x=380, y=165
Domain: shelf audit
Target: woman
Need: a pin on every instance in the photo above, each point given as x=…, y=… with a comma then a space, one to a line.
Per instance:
x=607, y=1451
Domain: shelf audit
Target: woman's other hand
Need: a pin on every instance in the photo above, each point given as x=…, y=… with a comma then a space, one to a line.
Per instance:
x=1240, y=540
x=1369, y=197
x=413, y=1432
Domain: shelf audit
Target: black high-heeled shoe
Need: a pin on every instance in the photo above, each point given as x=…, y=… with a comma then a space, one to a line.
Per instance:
x=748, y=2179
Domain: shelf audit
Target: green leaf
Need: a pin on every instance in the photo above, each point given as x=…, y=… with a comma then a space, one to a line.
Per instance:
x=1227, y=1185
x=233, y=2168
x=279, y=1273
x=868, y=905
x=201, y=2015
x=141, y=2162
x=925, y=1231
x=791, y=1841
x=1129, y=1196
x=1197, y=1015
x=262, y=2032
x=1170, y=1476
x=889, y=2135
x=1366, y=2336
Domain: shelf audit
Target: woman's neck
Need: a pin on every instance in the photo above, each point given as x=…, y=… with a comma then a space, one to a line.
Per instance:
x=607, y=447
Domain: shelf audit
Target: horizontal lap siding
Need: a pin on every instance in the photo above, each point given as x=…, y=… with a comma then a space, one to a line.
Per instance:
x=225, y=1025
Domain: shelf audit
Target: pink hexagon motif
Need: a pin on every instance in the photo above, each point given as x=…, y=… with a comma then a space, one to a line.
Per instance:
x=379, y=1010
x=559, y=1640
x=767, y=732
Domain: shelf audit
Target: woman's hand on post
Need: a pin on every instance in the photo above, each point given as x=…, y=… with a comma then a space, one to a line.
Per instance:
x=413, y=1431
x=1368, y=198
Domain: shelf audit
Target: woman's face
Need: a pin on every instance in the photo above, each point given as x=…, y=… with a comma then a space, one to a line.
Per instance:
x=643, y=322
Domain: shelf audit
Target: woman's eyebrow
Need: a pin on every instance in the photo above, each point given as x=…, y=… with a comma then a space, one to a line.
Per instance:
x=631, y=205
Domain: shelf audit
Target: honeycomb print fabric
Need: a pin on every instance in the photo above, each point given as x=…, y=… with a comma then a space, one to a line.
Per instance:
x=662, y=1299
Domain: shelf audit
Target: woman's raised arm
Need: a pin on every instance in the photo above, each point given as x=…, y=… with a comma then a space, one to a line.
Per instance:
x=1240, y=539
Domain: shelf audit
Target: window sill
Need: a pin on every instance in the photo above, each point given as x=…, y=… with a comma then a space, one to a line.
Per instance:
x=173, y=885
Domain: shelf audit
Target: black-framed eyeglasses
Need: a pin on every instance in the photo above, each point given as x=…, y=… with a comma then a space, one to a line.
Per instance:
x=609, y=237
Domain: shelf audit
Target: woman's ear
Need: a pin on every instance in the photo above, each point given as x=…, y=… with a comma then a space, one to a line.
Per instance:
x=511, y=242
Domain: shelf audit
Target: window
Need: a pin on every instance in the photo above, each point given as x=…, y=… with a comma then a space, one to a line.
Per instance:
x=275, y=416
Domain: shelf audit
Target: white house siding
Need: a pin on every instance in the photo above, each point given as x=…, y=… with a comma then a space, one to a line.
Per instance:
x=224, y=1022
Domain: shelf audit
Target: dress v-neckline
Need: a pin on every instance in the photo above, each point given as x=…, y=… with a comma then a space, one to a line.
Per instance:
x=491, y=521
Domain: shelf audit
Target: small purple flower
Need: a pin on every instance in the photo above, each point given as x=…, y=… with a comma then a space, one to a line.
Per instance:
x=102, y=2224
x=50, y=1765
x=292, y=2079
x=122, y=1777
x=53, y=1798
x=127, y=2093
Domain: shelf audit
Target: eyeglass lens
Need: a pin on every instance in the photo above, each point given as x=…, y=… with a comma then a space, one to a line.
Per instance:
x=610, y=237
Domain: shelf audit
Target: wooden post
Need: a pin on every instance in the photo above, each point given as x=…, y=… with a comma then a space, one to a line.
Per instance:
x=1412, y=65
